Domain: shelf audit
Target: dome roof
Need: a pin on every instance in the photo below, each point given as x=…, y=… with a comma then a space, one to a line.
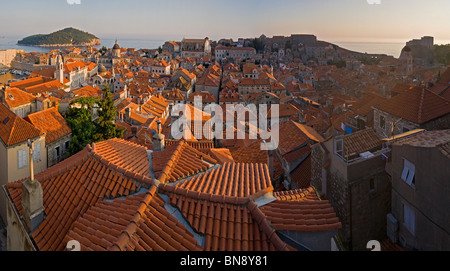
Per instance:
x=102, y=68
x=116, y=46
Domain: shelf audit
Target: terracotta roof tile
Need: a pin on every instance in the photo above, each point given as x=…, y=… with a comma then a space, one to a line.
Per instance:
x=51, y=123
x=418, y=105
x=301, y=176
x=361, y=141
x=233, y=180
x=179, y=161
x=14, y=129
x=15, y=97
x=301, y=210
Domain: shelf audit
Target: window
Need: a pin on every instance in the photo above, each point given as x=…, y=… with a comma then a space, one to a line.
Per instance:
x=22, y=159
x=409, y=218
x=37, y=152
x=372, y=185
x=382, y=122
x=409, y=173
x=57, y=152
x=339, y=146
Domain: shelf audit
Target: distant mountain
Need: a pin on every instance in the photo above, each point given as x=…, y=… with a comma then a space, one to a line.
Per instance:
x=66, y=37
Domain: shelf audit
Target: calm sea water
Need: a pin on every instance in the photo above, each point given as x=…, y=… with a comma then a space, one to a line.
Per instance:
x=392, y=49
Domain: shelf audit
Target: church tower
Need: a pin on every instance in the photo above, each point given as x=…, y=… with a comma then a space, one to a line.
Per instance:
x=116, y=50
x=59, y=69
x=407, y=61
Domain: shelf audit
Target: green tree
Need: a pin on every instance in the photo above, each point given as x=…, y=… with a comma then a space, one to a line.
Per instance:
x=83, y=129
x=105, y=125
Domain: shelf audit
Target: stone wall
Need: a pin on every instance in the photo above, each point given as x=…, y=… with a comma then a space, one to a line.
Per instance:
x=369, y=208
x=7, y=56
x=338, y=195
x=17, y=237
x=317, y=162
x=51, y=158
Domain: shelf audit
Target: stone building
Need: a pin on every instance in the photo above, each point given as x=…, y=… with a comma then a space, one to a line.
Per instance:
x=420, y=171
x=195, y=48
x=14, y=162
x=234, y=53
x=58, y=133
x=416, y=108
x=350, y=171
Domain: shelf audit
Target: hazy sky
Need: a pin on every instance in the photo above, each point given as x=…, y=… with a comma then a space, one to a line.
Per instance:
x=331, y=20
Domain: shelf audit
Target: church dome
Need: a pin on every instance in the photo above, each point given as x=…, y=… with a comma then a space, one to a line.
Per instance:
x=116, y=46
x=102, y=68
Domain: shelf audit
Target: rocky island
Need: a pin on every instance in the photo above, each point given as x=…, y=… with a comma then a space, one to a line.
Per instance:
x=63, y=38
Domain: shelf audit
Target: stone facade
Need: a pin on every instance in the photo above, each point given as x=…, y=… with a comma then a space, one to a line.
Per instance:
x=428, y=197
x=360, y=192
x=383, y=123
x=63, y=143
x=7, y=56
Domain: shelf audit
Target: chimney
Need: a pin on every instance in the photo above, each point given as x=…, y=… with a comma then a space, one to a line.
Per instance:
x=127, y=114
x=158, y=139
x=32, y=198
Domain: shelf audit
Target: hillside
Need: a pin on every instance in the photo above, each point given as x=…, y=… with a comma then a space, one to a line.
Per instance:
x=66, y=37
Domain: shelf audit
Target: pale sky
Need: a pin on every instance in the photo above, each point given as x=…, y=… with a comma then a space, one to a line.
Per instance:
x=330, y=20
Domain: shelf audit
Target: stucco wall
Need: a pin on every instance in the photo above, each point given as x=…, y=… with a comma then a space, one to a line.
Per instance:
x=429, y=198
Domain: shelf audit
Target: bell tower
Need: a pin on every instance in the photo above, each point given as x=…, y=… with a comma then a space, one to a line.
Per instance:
x=59, y=69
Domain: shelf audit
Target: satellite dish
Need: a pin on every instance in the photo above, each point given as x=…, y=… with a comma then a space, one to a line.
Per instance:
x=153, y=131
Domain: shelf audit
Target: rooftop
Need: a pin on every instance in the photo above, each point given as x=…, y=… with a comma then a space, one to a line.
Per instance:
x=106, y=201
x=14, y=129
x=418, y=105
x=51, y=123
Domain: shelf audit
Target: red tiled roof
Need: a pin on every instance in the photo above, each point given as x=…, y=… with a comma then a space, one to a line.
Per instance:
x=179, y=161
x=113, y=150
x=230, y=179
x=222, y=155
x=45, y=87
x=293, y=134
x=88, y=91
x=301, y=210
x=228, y=223
x=14, y=129
x=51, y=123
x=418, y=105
x=218, y=204
x=429, y=139
x=48, y=72
x=15, y=97
x=361, y=141
x=301, y=176
x=251, y=154
x=364, y=106
x=71, y=188
x=136, y=223
x=22, y=84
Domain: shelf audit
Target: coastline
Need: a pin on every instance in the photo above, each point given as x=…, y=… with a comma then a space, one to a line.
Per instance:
x=95, y=42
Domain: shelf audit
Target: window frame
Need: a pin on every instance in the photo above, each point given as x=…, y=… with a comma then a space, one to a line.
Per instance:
x=22, y=158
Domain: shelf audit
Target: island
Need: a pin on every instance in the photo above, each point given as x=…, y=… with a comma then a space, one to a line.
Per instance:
x=62, y=38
